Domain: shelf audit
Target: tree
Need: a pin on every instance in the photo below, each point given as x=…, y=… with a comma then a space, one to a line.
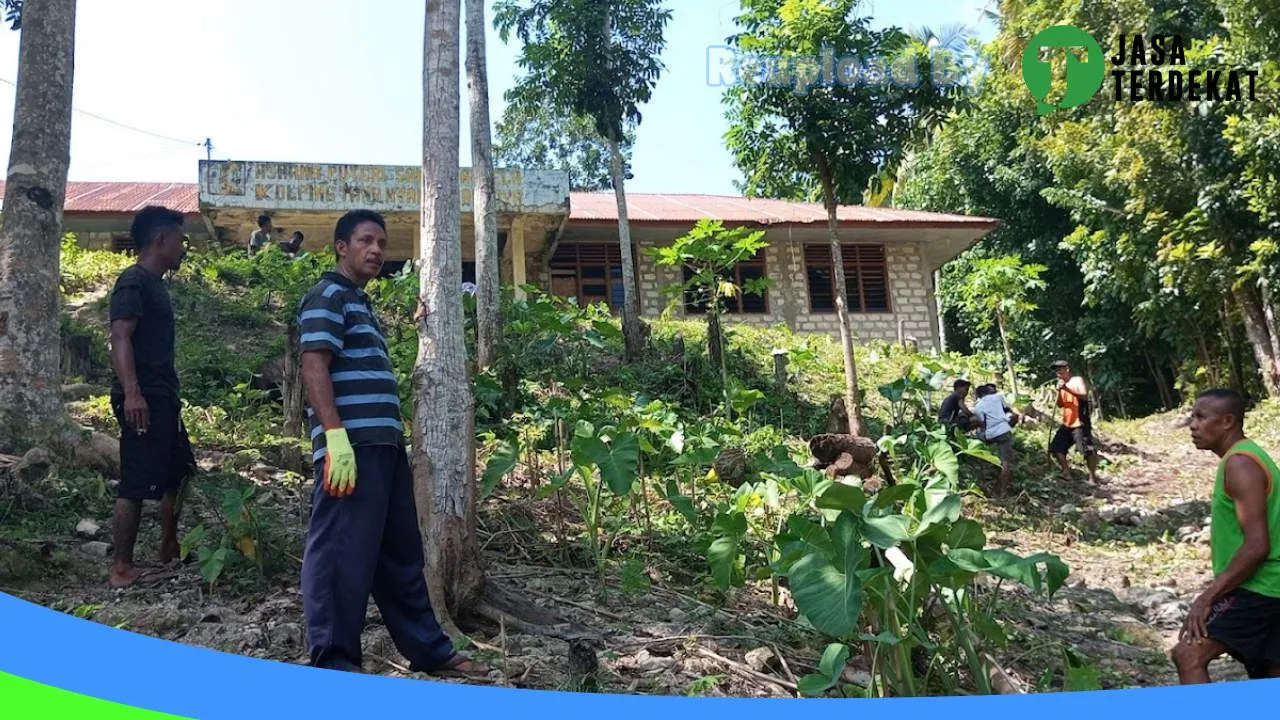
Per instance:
x=541, y=136
x=995, y=292
x=826, y=141
x=709, y=253
x=488, y=302
x=31, y=226
x=444, y=417
x=599, y=59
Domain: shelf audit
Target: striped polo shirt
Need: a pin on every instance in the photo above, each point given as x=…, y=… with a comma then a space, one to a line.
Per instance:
x=336, y=316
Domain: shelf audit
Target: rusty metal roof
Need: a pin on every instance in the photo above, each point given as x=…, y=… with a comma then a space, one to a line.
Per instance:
x=689, y=208
x=128, y=197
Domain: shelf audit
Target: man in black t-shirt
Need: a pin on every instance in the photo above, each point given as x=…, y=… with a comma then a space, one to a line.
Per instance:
x=155, y=454
x=953, y=413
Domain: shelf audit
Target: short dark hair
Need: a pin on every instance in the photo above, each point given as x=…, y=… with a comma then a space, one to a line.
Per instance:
x=348, y=223
x=1232, y=401
x=263, y=220
x=1059, y=364
x=985, y=390
x=150, y=221
x=960, y=384
x=297, y=234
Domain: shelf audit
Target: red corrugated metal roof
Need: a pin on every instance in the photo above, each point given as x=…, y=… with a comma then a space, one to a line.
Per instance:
x=127, y=197
x=661, y=207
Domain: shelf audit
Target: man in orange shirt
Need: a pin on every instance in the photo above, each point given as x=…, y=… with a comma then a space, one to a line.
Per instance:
x=1076, y=428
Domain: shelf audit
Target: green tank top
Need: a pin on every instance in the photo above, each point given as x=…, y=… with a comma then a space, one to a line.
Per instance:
x=1225, y=533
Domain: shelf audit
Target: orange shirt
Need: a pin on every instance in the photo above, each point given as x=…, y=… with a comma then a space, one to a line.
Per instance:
x=1070, y=403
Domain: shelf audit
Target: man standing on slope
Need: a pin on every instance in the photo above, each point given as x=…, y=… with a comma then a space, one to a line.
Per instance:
x=1077, y=426
x=363, y=537
x=155, y=453
x=1239, y=613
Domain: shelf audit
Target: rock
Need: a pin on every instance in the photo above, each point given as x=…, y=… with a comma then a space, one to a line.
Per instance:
x=762, y=659
x=243, y=460
x=77, y=391
x=263, y=472
x=1077, y=584
x=96, y=548
x=1068, y=509
x=861, y=678
x=33, y=467
x=87, y=529
x=676, y=615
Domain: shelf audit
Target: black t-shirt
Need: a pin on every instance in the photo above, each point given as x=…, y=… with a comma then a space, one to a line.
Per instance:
x=952, y=411
x=141, y=294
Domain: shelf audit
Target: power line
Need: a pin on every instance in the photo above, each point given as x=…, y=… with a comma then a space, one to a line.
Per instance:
x=120, y=124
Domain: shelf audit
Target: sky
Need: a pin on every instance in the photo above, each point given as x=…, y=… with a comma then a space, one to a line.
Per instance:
x=332, y=81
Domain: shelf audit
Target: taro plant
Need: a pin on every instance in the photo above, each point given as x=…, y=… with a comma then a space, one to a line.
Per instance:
x=893, y=575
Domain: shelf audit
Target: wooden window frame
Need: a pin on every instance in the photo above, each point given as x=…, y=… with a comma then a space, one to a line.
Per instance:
x=612, y=253
x=856, y=261
x=737, y=305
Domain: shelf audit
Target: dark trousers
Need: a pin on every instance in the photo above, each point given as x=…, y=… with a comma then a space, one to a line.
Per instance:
x=369, y=542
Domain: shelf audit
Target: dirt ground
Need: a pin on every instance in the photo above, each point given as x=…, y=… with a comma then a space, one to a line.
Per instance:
x=1137, y=549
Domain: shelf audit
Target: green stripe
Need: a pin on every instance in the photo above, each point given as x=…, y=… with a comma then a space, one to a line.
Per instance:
x=29, y=699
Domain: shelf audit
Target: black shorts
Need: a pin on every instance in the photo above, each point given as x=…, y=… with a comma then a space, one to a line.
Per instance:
x=155, y=462
x=1248, y=624
x=1081, y=437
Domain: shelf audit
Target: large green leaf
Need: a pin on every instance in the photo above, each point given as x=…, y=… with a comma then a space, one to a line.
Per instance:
x=840, y=496
x=966, y=533
x=946, y=511
x=944, y=459
x=893, y=494
x=830, y=597
x=501, y=462
x=885, y=532
x=722, y=556
x=681, y=503
x=617, y=460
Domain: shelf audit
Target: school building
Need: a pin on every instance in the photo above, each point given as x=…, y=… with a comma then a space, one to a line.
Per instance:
x=567, y=242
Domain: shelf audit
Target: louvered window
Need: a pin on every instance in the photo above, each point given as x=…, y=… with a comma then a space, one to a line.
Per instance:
x=866, y=274
x=591, y=272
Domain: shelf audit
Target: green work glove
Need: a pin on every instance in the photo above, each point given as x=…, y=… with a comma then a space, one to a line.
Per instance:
x=339, y=463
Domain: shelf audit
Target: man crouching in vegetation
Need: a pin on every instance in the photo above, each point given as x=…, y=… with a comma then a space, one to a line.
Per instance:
x=362, y=538
x=155, y=454
x=1239, y=613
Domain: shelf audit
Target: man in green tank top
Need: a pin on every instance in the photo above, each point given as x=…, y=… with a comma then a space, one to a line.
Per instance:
x=1239, y=613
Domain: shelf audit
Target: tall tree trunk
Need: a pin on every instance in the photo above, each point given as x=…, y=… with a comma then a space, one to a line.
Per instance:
x=1255, y=327
x=841, y=301
x=1008, y=354
x=31, y=227
x=1273, y=329
x=1162, y=385
x=488, y=302
x=715, y=351
x=444, y=418
x=1233, y=349
x=291, y=383
x=632, y=330
x=937, y=301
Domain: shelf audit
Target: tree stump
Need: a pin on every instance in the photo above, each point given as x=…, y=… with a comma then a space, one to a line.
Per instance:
x=841, y=455
x=731, y=467
x=837, y=416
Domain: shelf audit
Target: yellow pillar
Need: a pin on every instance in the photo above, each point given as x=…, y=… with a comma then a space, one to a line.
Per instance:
x=517, y=257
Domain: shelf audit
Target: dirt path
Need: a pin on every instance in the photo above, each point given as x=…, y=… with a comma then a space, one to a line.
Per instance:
x=1137, y=548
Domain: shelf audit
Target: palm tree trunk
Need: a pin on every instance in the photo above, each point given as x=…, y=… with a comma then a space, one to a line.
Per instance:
x=488, y=301
x=31, y=226
x=444, y=418
x=632, y=330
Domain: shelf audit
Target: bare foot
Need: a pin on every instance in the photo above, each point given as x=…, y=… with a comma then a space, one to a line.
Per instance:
x=169, y=552
x=122, y=578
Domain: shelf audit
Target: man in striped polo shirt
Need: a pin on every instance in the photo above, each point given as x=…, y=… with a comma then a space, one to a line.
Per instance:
x=364, y=534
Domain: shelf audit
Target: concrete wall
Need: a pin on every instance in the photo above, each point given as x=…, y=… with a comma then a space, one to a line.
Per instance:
x=910, y=284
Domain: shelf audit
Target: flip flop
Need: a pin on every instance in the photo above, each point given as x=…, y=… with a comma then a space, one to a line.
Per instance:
x=460, y=666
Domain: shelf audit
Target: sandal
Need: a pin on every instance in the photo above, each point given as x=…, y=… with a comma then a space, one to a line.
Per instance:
x=461, y=666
